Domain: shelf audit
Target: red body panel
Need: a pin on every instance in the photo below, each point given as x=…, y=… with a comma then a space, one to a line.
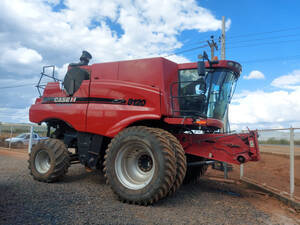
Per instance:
x=146, y=80
x=110, y=119
x=222, y=147
x=105, y=71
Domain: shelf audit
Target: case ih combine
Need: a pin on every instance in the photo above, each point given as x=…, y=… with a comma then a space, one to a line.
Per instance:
x=149, y=124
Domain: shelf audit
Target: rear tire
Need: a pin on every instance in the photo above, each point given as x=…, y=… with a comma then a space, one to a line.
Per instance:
x=49, y=160
x=180, y=161
x=140, y=165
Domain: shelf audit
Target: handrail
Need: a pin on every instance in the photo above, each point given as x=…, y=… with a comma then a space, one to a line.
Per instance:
x=40, y=86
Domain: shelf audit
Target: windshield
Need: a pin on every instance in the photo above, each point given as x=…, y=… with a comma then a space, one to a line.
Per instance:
x=206, y=96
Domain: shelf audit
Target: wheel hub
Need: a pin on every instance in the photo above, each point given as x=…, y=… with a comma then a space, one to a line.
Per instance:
x=145, y=163
x=135, y=165
x=42, y=162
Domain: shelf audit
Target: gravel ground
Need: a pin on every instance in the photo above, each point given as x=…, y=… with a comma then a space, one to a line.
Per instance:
x=84, y=198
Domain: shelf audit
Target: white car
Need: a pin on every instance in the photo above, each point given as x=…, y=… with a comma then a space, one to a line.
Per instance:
x=23, y=139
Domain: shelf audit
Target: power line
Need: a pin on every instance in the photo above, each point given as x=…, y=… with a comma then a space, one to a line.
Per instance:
x=261, y=39
x=286, y=58
x=245, y=35
x=266, y=43
x=250, y=34
x=266, y=32
x=11, y=116
x=186, y=50
x=16, y=86
x=202, y=41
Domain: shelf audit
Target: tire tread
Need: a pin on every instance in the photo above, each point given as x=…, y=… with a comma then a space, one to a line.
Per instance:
x=169, y=159
x=61, y=161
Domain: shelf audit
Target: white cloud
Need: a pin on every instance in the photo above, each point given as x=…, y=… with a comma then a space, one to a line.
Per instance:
x=277, y=109
x=145, y=28
x=19, y=60
x=20, y=55
x=18, y=81
x=52, y=2
x=14, y=115
x=262, y=109
x=227, y=24
x=290, y=81
x=61, y=71
x=17, y=93
x=177, y=58
x=255, y=74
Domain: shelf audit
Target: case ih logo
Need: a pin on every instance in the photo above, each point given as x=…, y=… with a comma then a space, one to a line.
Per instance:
x=65, y=99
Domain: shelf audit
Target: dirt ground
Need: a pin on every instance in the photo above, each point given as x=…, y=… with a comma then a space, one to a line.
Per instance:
x=279, y=149
x=272, y=170
x=84, y=198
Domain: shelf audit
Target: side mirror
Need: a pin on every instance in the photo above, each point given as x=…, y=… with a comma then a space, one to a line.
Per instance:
x=201, y=68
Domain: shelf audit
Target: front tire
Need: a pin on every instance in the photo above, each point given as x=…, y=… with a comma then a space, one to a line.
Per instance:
x=140, y=165
x=49, y=160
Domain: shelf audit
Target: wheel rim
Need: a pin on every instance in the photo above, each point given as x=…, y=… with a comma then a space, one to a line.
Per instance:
x=42, y=161
x=135, y=165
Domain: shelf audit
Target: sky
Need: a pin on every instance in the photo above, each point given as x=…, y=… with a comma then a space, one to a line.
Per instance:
x=264, y=36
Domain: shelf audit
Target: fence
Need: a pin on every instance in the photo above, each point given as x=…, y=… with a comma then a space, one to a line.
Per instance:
x=17, y=136
x=279, y=166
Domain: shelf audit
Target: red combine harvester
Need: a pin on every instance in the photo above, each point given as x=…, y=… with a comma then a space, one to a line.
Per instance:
x=149, y=124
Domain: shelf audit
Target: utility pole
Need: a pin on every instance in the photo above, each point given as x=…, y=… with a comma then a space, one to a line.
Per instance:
x=226, y=122
x=223, y=39
x=213, y=45
x=226, y=125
